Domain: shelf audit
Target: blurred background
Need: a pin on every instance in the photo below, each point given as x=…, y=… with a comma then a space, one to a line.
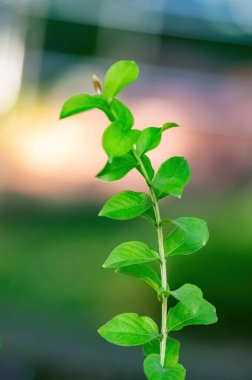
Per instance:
x=195, y=58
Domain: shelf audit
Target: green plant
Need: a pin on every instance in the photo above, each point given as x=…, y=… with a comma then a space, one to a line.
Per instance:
x=126, y=149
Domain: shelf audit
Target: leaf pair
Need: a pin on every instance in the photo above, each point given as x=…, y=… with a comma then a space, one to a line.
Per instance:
x=171, y=370
x=171, y=351
x=154, y=371
x=171, y=177
x=118, y=139
x=118, y=76
x=189, y=235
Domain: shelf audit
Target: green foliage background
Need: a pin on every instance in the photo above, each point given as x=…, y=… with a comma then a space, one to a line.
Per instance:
x=51, y=259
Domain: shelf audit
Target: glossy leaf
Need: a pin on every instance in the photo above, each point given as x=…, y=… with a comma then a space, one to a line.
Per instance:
x=117, y=168
x=180, y=315
x=83, y=102
x=188, y=294
x=118, y=141
x=149, y=139
x=143, y=272
x=118, y=76
x=171, y=353
x=190, y=235
x=169, y=126
x=133, y=252
x=126, y=205
x=122, y=113
x=154, y=371
x=129, y=329
x=172, y=176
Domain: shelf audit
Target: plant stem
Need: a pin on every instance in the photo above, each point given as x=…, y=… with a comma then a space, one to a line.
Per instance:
x=163, y=268
x=163, y=277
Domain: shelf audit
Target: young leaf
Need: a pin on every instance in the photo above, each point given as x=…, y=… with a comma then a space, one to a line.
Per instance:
x=117, y=168
x=129, y=329
x=118, y=141
x=133, y=252
x=83, y=102
x=143, y=272
x=172, y=176
x=188, y=294
x=122, y=113
x=169, y=126
x=126, y=205
x=190, y=235
x=180, y=315
x=149, y=139
x=171, y=352
x=154, y=371
x=118, y=76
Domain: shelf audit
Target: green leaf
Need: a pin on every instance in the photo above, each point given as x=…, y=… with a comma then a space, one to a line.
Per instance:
x=152, y=347
x=150, y=215
x=169, y=126
x=118, y=76
x=117, y=168
x=190, y=235
x=118, y=141
x=83, y=102
x=180, y=315
x=188, y=294
x=172, y=176
x=149, y=139
x=133, y=252
x=154, y=371
x=171, y=353
x=148, y=167
x=126, y=205
x=143, y=272
x=129, y=329
x=122, y=113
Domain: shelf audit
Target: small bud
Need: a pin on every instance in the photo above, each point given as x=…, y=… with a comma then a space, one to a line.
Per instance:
x=97, y=84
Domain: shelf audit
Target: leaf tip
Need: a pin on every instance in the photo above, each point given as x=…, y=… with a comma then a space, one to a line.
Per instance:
x=100, y=331
x=62, y=114
x=101, y=212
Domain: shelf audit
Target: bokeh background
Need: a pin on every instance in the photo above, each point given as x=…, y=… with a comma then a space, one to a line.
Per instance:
x=196, y=69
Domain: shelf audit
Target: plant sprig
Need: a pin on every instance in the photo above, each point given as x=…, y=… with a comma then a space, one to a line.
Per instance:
x=127, y=149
